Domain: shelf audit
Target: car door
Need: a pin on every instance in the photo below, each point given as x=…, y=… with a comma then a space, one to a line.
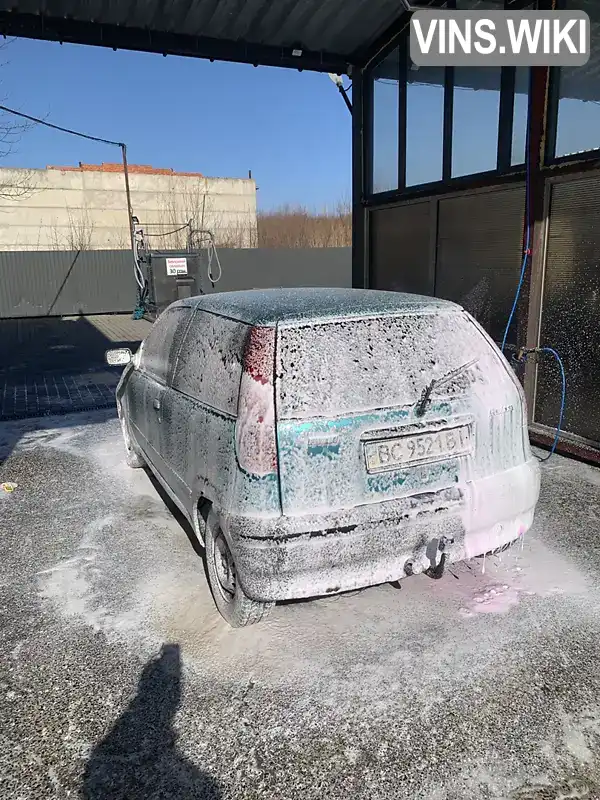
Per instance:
x=157, y=361
x=201, y=406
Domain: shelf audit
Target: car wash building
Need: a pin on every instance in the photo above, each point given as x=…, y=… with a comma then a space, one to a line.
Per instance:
x=464, y=179
x=462, y=175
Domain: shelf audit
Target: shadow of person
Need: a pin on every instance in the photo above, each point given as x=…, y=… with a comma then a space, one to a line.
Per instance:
x=138, y=758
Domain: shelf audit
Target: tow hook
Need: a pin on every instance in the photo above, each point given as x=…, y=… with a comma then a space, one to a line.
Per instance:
x=436, y=571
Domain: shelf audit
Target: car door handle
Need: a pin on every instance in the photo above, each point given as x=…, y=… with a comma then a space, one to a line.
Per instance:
x=156, y=404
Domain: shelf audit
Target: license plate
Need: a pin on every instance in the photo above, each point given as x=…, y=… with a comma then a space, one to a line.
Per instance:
x=418, y=448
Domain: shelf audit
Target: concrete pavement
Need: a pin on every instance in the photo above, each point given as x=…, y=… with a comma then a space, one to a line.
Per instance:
x=120, y=680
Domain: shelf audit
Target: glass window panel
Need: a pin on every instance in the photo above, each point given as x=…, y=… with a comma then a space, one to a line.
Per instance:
x=424, y=124
x=578, y=124
x=520, y=108
x=385, y=123
x=476, y=109
x=476, y=112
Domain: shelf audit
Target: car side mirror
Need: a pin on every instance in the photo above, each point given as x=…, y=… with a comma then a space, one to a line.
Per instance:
x=118, y=357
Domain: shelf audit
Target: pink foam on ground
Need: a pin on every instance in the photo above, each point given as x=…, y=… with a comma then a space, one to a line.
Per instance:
x=496, y=599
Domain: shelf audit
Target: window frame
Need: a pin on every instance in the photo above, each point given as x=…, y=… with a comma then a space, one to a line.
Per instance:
x=404, y=55
x=550, y=157
x=504, y=168
x=369, y=105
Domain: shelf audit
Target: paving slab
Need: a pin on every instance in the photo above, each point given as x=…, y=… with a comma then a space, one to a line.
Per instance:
x=56, y=365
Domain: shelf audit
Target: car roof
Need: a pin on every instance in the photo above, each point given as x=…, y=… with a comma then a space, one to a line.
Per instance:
x=271, y=306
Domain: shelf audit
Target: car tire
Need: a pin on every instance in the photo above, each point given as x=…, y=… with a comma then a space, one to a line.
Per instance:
x=233, y=604
x=133, y=457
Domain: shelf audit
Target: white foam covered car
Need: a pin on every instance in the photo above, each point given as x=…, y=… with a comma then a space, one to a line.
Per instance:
x=321, y=440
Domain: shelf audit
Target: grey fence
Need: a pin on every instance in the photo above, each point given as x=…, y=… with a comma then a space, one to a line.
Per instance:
x=262, y=268
x=66, y=283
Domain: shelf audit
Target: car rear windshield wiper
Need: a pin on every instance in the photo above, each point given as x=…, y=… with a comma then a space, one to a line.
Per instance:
x=438, y=382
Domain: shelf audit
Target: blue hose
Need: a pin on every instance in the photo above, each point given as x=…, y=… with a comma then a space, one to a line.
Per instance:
x=526, y=254
x=553, y=352
x=518, y=293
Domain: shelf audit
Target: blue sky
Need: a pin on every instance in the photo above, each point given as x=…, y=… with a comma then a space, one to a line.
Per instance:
x=290, y=128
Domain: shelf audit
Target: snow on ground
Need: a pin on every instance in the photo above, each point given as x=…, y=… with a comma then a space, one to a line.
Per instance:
x=481, y=685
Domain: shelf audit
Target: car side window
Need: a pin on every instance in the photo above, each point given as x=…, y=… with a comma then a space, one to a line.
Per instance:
x=209, y=366
x=160, y=347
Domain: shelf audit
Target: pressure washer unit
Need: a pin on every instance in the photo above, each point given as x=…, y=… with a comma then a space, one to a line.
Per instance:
x=166, y=273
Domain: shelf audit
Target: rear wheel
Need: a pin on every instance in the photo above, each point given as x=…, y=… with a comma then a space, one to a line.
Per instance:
x=234, y=605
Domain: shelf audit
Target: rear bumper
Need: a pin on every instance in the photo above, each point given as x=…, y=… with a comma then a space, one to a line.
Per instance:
x=307, y=556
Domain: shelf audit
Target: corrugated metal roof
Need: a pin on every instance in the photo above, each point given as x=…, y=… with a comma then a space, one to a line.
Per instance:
x=338, y=30
x=324, y=35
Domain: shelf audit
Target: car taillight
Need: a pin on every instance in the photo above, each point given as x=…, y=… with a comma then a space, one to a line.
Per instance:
x=255, y=440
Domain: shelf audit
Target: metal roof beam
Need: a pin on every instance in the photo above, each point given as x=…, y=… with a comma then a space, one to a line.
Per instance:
x=34, y=26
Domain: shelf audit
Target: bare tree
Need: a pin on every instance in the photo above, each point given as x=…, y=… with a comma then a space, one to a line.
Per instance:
x=291, y=226
x=20, y=183
x=78, y=234
x=238, y=234
x=119, y=239
x=16, y=184
x=191, y=202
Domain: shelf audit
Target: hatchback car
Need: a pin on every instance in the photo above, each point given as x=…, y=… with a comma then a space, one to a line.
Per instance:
x=323, y=440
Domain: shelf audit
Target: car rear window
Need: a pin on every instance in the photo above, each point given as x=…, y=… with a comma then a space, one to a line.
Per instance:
x=346, y=366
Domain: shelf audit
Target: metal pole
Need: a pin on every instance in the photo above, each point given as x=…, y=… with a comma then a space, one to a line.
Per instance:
x=128, y=193
x=344, y=94
x=530, y=308
x=360, y=242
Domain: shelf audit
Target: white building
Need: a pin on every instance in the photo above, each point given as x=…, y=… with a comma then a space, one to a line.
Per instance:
x=85, y=207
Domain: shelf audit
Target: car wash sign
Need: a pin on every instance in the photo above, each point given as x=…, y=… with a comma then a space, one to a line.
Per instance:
x=177, y=266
